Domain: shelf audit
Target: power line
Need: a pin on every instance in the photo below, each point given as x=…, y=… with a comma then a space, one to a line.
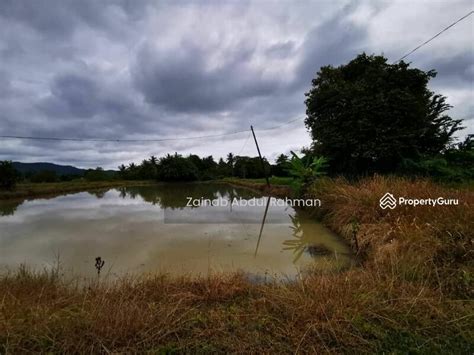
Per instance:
x=154, y=140
x=436, y=35
x=245, y=143
x=120, y=140
x=282, y=125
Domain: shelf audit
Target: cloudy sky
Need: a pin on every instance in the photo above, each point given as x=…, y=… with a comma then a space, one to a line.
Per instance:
x=133, y=69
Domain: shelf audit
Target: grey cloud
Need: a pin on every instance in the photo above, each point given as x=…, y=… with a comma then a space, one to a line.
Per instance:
x=182, y=80
x=142, y=69
x=334, y=42
x=60, y=18
x=281, y=49
x=454, y=71
x=72, y=95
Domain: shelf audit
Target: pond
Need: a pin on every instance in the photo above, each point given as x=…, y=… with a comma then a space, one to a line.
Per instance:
x=172, y=228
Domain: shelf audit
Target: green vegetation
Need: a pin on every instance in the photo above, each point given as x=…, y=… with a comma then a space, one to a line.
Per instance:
x=8, y=175
x=455, y=165
x=411, y=294
x=368, y=116
x=305, y=171
x=192, y=168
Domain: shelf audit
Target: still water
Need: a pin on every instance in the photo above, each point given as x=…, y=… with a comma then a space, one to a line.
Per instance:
x=151, y=229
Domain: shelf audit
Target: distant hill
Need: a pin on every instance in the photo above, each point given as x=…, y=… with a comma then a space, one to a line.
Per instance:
x=58, y=169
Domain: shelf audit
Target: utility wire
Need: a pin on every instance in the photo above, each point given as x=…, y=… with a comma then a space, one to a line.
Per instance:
x=436, y=35
x=121, y=140
x=137, y=140
x=245, y=143
x=282, y=125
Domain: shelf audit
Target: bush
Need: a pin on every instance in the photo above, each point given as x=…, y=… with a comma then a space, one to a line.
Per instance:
x=452, y=166
x=8, y=175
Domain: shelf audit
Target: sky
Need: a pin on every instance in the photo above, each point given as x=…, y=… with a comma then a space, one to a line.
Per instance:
x=139, y=69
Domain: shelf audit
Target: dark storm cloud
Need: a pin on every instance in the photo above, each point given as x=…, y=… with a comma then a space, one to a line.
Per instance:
x=57, y=19
x=74, y=96
x=145, y=69
x=334, y=42
x=181, y=79
x=454, y=71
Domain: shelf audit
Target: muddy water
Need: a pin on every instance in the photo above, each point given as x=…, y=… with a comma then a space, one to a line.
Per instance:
x=152, y=229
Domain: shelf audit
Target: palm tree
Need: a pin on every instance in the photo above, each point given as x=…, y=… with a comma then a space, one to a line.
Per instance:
x=230, y=162
x=153, y=160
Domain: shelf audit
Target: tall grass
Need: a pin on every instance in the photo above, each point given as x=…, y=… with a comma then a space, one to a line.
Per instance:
x=418, y=242
x=359, y=311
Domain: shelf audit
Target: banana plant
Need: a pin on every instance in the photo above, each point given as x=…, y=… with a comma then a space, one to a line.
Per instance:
x=305, y=171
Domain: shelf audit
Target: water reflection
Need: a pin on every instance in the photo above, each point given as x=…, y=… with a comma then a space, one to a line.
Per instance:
x=8, y=208
x=129, y=229
x=264, y=218
x=303, y=242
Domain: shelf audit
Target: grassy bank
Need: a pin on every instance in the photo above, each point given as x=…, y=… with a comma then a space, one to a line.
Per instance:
x=278, y=186
x=46, y=189
x=413, y=292
x=419, y=243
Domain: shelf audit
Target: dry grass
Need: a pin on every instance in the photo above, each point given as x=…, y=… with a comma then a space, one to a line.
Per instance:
x=401, y=300
x=359, y=311
x=418, y=242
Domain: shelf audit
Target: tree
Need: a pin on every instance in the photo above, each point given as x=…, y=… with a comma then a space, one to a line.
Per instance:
x=176, y=168
x=8, y=175
x=250, y=168
x=368, y=115
x=148, y=169
x=231, y=163
x=222, y=169
x=281, y=166
x=153, y=160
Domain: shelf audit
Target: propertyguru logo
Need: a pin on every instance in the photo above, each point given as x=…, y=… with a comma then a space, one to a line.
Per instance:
x=389, y=201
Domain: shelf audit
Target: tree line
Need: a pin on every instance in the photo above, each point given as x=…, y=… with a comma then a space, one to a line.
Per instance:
x=175, y=167
x=169, y=168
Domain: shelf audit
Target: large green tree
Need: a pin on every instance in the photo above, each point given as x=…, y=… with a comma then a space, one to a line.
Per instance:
x=369, y=115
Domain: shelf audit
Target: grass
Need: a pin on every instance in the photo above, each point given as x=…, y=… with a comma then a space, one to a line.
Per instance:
x=274, y=180
x=279, y=185
x=412, y=292
x=422, y=242
x=23, y=190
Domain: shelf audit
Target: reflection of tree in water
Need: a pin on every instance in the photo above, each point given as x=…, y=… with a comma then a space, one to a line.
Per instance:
x=98, y=193
x=302, y=241
x=175, y=196
x=8, y=207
